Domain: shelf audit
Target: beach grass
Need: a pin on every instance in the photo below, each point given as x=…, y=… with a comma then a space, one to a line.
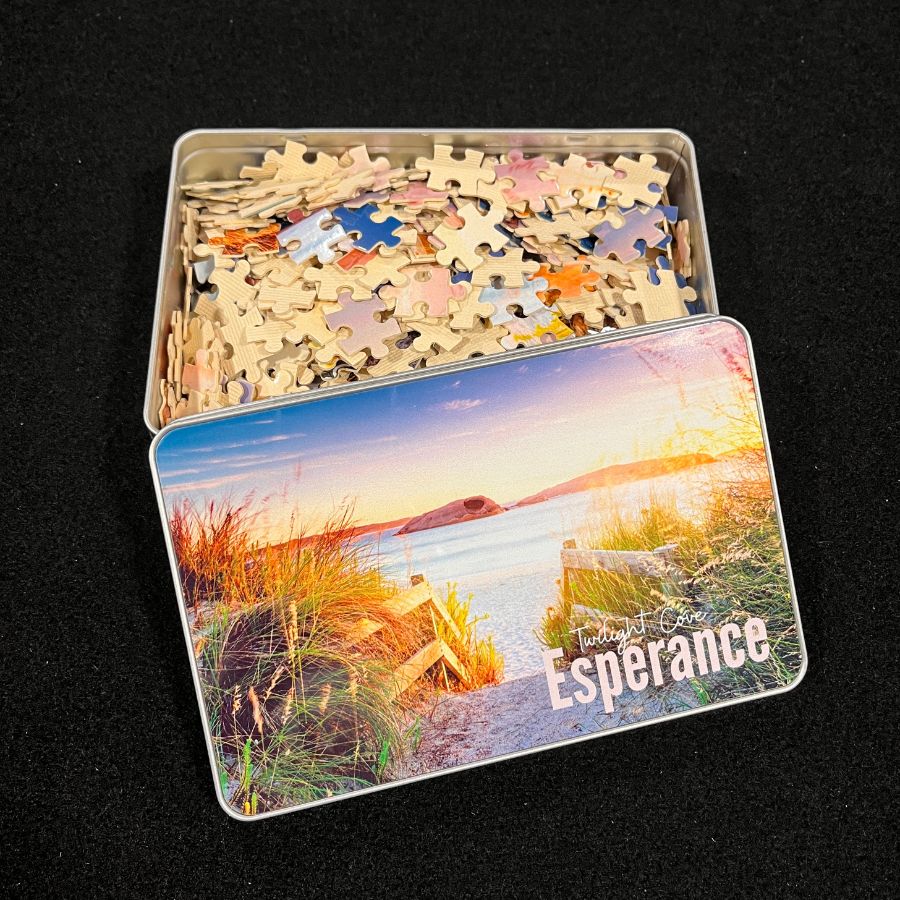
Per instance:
x=301, y=706
x=730, y=567
x=478, y=654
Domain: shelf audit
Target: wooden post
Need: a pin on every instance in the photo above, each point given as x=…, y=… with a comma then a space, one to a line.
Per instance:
x=568, y=544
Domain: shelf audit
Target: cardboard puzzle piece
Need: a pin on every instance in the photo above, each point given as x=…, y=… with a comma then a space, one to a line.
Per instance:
x=525, y=298
x=384, y=268
x=443, y=170
x=277, y=270
x=469, y=310
x=640, y=224
x=331, y=281
x=334, y=354
x=639, y=179
x=580, y=182
x=624, y=315
x=357, y=160
x=591, y=306
x=428, y=292
x=660, y=301
x=314, y=240
x=527, y=188
x=371, y=233
x=417, y=195
x=541, y=327
x=509, y=267
x=276, y=384
x=310, y=325
x=462, y=243
x=355, y=258
x=207, y=259
x=569, y=280
x=399, y=360
x=434, y=335
x=281, y=299
x=546, y=229
x=477, y=343
x=269, y=333
x=681, y=252
x=366, y=331
x=233, y=286
x=290, y=165
x=236, y=242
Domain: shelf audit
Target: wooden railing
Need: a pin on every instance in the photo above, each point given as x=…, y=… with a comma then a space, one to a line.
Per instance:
x=659, y=563
x=434, y=652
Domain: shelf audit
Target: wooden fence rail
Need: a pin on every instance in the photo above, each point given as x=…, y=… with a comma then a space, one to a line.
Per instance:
x=434, y=652
x=659, y=563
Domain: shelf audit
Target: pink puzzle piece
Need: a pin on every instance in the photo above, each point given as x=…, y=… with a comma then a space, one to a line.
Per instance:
x=527, y=186
x=365, y=332
x=639, y=225
x=417, y=194
x=430, y=295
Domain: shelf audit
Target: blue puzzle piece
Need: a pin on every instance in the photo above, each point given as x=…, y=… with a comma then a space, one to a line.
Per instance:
x=371, y=234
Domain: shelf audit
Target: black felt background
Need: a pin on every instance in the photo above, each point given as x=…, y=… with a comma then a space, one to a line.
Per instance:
x=106, y=787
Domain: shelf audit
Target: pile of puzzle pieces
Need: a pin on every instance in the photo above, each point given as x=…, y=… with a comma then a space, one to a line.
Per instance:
x=313, y=270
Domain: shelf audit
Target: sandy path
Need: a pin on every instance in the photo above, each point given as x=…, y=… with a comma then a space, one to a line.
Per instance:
x=516, y=715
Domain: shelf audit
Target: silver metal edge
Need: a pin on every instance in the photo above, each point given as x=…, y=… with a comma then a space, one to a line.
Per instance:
x=560, y=347
x=152, y=370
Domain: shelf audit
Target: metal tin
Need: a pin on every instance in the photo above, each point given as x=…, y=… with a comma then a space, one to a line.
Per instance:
x=520, y=355
x=218, y=154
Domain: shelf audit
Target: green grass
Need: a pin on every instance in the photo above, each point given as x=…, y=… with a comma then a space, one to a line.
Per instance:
x=733, y=569
x=299, y=708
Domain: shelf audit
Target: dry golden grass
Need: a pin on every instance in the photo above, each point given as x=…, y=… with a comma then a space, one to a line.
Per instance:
x=300, y=705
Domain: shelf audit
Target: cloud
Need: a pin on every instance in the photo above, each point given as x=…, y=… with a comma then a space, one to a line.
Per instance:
x=236, y=444
x=209, y=485
x=460, y=405
x=261, y=461
x=176, y=472
x=462, y=434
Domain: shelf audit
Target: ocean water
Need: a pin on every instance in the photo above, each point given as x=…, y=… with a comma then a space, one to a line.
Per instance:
x=510, y=563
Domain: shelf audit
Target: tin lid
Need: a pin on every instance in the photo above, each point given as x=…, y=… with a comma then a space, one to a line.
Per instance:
x=590, y=529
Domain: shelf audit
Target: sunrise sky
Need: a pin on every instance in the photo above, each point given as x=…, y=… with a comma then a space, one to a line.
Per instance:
x=505, y=430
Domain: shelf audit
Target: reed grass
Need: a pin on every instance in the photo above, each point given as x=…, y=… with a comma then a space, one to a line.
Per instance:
x=479, y=655
x=298, y=708
x=732, y=568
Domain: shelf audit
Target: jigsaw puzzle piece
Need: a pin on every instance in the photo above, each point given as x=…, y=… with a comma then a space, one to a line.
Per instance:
x=661, y=294
x=635, y=180
x=477, y=343
x=478, y=229
x=443, y=170
x=527, y=187
x=640, y=224
x=428, y=292
x=314, y=240
x=372, y=233
x=366, y=331
x=569, y=280
x=508, y=266
x=526, y=298
x=541, y=327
